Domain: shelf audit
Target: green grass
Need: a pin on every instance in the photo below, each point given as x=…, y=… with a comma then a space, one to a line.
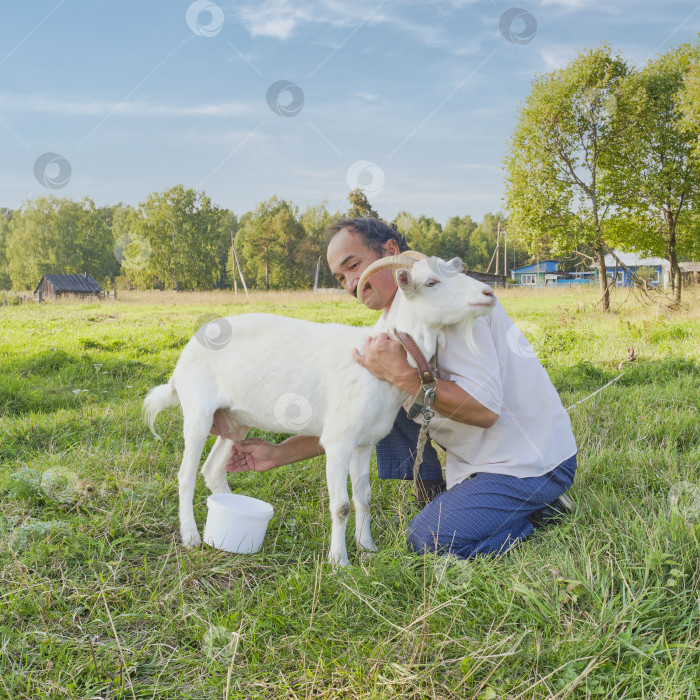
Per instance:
x=99, y=600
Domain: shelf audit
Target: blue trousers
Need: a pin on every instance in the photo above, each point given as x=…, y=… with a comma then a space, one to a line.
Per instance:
x=485, y=514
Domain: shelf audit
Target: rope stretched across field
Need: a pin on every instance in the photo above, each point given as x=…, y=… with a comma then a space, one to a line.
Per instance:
x=631, y=357
x=428, y=414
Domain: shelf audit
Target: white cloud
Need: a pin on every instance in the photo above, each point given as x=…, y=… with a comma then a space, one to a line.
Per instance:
x=280, y=18
x=98, y=108
x=369, y=96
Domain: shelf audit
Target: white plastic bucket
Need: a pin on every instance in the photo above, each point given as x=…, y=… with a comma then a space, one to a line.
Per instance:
x=236, y=523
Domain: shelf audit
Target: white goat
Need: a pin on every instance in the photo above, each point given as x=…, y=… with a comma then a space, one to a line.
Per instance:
x=273, y=365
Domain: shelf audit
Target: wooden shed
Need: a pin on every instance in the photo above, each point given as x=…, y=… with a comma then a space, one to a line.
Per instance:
x=74, y=285
x=690, y=272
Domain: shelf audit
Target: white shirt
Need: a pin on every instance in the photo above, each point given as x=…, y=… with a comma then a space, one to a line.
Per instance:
x=532, y=434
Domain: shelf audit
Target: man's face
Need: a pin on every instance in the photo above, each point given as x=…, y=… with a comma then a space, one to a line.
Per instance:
x=348, y=256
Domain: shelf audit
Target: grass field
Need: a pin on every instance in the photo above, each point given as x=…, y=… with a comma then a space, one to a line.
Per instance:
x=99, y=600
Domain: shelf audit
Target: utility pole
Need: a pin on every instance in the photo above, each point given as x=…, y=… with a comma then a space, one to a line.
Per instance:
x=318, y=270
x=498, y=243
x=238, y=265
x=505, y=253
x=233, y=266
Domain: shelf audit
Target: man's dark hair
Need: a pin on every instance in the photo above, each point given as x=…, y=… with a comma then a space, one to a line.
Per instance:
x=375, y=232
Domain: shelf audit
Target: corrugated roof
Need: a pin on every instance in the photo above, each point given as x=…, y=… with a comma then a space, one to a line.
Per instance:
x=542, y=266
x=73, y=283
x=689, y=266
x=634, y=260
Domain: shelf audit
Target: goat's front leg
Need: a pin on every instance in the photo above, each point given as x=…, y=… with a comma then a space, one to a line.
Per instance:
x=362, y=496
x=195, y=431
x=337, y=464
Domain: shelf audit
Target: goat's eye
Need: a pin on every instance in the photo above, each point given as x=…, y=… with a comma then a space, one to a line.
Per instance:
x=431, y=283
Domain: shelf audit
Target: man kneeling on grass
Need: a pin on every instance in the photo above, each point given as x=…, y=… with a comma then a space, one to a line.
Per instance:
x=511, y=454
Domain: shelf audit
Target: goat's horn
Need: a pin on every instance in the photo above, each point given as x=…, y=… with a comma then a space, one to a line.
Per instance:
x=406, y=259
x=413, y=254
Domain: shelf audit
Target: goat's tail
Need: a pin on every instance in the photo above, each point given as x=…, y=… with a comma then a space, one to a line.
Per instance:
x=158, y=398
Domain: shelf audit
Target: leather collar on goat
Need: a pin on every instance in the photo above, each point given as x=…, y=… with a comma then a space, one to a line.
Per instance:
x=426, y=373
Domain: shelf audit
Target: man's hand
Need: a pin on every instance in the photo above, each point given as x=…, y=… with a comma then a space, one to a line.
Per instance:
x=254, y=454
x=385, y=358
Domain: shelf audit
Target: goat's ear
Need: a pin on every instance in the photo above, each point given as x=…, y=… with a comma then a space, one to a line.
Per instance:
x=405, y=281
x=456, y=264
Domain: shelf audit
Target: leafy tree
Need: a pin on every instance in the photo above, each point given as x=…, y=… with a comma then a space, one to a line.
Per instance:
x=181, y=228
x=315, y=221
x=360, y=206
x=689, y=99
x=422, y=233
x=5, y=217
x=571, y=124
x=122, y=219
x=455, y=237
x=227, y=223
x=51, y=235
x=482, y=243
x=268, y=243
x=658, y=166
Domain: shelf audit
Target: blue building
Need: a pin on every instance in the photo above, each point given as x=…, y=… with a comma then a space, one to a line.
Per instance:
x=546, y=273
x=536, y=274
x=659, y=267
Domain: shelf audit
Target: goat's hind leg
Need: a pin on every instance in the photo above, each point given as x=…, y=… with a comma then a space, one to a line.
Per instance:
x=214, y=468
x=362, y=496
x=195, y=429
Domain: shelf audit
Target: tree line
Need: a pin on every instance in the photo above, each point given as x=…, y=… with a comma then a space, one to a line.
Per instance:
x=603, y=156
x=177, y=239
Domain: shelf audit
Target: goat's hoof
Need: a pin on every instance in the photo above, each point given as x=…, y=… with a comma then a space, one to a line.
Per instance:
x=192, y=540
x=368, y=547
x=338, y=562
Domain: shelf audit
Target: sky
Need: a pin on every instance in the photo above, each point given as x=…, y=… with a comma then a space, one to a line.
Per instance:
x=412, y=100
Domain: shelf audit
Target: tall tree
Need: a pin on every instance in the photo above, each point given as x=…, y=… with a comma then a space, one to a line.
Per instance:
x=455, y=237
x=315, y=221
x=5, y=217
x=268, y=242
x=556, y=186
x=182, y=230
x=658, y=165
x=227, y=223
x=360, y=206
